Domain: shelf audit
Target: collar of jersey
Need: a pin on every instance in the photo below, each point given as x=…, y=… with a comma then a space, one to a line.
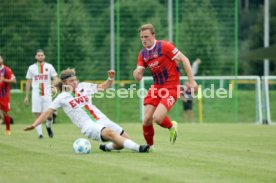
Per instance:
x=40, y=64
x=74, y=94
x=152, y=46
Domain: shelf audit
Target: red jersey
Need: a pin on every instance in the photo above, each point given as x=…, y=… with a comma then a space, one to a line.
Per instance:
x=161, y=62
x=7, y=73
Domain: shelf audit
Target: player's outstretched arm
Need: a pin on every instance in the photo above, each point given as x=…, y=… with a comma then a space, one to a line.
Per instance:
x=40, y=119
x=106, y=84
x=188, y=69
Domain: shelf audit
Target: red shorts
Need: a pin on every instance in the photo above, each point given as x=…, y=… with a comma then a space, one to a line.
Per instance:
x=5, y=105
x=165, y=95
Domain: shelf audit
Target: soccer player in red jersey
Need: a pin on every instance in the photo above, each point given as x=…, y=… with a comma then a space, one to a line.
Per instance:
x=6, y=77
x=161, y=58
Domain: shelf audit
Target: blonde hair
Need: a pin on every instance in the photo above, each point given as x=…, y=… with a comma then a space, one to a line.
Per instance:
x=148, y=26
x=64, y=75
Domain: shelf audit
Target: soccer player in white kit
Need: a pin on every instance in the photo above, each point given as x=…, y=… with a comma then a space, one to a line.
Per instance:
x=40, y=75
x=76, y=101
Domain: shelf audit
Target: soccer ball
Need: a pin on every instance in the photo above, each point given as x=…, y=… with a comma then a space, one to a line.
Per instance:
x=82, y=146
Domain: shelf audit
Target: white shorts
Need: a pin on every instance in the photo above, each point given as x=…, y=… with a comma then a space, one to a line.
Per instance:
x=40, y=103
x=93, y=130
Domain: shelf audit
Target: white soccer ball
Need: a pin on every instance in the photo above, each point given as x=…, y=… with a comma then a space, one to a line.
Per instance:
x=82, y=146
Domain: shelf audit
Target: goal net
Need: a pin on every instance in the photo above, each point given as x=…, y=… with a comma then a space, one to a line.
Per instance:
x=219, y=99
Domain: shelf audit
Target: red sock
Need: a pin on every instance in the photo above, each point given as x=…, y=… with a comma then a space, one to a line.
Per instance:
x=7, y=120
x=166, y=123
x=148, y=134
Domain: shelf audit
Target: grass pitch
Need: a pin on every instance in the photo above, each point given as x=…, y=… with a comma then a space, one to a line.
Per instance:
x=203, y=153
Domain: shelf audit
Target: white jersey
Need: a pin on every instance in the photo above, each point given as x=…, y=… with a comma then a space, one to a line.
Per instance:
x=41, y=78
x=79, y=108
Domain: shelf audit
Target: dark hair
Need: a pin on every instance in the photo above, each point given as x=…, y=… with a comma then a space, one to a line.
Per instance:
x=39, y=50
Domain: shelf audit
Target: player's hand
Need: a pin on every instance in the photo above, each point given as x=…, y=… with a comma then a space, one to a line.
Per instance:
x=26, y=101
x=28, y=128
x=193, y=86
x=138, y=74
x=111, y=74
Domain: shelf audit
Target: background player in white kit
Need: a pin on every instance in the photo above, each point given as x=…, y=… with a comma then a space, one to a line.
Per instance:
x=40, y=75
x=76, y=101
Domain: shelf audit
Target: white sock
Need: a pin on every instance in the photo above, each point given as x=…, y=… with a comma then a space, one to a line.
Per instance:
x=49, y=123
x=39, y=129
x=109, y=146
x=129, y=144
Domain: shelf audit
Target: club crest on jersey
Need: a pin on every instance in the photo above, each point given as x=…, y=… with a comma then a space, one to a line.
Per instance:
x=78, y=101
x=155, y=54
x=150, y=55
x=46, y=69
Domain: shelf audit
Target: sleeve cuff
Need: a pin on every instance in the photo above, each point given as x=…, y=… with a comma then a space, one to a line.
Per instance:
x=176, y=55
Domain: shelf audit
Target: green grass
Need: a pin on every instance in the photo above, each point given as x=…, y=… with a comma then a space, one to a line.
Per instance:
x=206, y=153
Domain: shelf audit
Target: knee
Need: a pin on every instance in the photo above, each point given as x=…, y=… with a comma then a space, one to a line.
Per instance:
x=125, y=135
x=157, y=119
x=147, y=121
x=108, y=134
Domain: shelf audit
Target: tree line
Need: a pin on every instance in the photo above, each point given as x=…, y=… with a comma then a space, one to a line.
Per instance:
x=205, y=31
